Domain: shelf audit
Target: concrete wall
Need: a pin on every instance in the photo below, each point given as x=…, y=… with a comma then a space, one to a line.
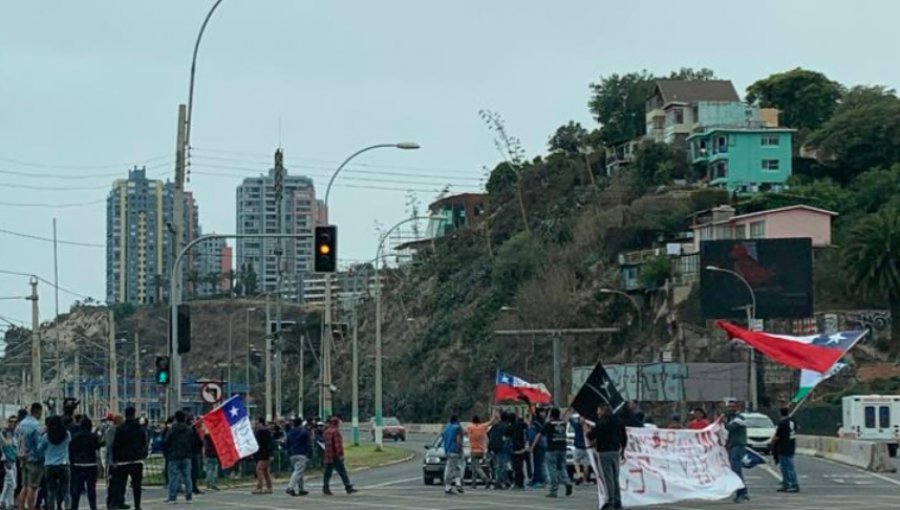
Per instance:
x=862, y=454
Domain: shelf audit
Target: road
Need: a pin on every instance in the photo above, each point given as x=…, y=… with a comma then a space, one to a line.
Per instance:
x=825, y=486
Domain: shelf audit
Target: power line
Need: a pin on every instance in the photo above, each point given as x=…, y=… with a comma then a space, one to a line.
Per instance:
x=80, y=176
x=341, y=185
x=49, y=239
x=46, y=281
x=77, y=167
x=51, y=205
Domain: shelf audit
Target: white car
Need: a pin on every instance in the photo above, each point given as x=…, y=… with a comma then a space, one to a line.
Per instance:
x=760, y=431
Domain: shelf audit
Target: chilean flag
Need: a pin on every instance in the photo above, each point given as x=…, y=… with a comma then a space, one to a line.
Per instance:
x=816, y=352
x=230, y=430
x=510, y=387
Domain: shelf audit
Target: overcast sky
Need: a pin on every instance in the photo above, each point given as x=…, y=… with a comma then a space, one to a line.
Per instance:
x=90, y=88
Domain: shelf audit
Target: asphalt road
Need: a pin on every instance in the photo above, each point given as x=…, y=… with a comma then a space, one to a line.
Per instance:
x=824, y=485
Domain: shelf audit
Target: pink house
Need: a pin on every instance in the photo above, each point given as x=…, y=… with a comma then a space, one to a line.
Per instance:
x=791, y=221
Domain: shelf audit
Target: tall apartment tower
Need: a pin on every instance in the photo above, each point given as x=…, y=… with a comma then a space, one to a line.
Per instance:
x=256, y=214
x=139, y=244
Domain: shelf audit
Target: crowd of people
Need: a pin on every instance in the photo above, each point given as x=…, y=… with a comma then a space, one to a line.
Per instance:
x=512, y=452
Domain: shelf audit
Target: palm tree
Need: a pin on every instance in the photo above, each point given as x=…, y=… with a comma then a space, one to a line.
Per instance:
x=871, y=260
x=193, y=279
x=231, y=276
x=213, y=279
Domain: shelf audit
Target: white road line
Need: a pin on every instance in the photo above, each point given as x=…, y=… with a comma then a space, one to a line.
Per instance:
x=875, y=475
x=394, y=482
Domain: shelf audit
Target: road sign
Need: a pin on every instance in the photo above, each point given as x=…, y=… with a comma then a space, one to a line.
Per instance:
x=211, y=392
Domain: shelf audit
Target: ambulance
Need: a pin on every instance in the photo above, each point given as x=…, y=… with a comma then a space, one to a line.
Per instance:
x=872, y=418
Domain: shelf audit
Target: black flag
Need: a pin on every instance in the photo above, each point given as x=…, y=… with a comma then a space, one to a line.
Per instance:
x=597, y=388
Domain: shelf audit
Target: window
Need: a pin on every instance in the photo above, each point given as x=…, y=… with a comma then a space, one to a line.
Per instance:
x=884, y=417
x=719, y=170
x=770, y=164
x=870, y=417
x=678, y=116
x=722, y=143
x=740, y=231
x=758, y=229
x=769, y=141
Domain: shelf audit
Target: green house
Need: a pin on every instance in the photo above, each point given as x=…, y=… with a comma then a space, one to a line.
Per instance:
x=744, y=160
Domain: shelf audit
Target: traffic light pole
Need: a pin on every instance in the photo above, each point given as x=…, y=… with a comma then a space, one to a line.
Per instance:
x=175, y=300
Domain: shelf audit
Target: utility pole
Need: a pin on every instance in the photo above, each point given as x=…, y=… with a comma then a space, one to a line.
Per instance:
x=557, y=371
x=36, y=375
x=355, y=409
x=137, y=372
x=77, y=387
x=753, y=325
x=300, y=389
x=175, y=272
x=113, y=369
x=59, y=376
x=268, y=349
x=279, y=260
x=327, y=339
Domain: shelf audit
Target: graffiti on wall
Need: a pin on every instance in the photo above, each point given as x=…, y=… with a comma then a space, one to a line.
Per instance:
x=878, y=322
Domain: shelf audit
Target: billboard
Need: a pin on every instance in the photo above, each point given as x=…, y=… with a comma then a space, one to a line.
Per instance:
x=778, y=270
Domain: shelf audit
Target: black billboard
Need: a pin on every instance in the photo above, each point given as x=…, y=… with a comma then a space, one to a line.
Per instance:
x=778, y=270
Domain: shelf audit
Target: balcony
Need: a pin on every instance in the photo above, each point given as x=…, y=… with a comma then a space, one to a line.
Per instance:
x=637, y=258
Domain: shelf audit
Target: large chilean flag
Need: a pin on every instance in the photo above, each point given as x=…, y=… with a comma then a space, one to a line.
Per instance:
x=816, y=352
x=231, y=431
x=510, y=387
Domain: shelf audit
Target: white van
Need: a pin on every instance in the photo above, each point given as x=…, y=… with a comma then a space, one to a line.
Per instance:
x=872, y=418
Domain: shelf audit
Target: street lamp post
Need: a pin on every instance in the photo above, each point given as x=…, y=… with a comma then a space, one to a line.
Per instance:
x=230, y=384
x=751, y=316
x=326, y=385
x=637, y=309
x=379, y=410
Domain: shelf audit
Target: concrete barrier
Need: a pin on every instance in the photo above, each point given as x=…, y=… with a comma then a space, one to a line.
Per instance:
x=866, y=455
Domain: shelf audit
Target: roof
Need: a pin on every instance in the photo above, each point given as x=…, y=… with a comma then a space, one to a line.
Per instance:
x=737, y=129
x=768, y=211
x=690, y=91
x=461, y=197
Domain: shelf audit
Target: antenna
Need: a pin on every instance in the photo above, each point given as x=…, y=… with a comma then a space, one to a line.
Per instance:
x=279, y=132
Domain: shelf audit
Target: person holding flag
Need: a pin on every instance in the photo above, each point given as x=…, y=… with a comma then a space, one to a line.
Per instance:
x=610, y=439
x=737, y=445
x=784, y=446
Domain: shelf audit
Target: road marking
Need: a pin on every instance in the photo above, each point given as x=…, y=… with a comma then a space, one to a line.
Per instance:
x=768, y=469
x=875, y=475
x=388, y=484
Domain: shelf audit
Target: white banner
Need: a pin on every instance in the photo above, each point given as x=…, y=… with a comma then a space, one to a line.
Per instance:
x=666, y=466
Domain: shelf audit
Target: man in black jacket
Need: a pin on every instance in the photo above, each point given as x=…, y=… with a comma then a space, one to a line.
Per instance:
x=129, y=451
x=177, y=445
x=610, y=439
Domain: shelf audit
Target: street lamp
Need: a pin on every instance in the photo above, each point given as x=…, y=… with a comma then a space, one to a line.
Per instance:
x=379, y=411
x=751, y=316
x=326, y=341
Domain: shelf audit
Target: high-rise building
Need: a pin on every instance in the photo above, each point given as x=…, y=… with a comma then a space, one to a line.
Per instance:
x=214, y=263
x=256, y=214
x=139, y=241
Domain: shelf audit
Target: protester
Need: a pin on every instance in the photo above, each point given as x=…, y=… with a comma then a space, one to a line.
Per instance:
x=177, y=449
x=500, y=448
x=517, y=433
x=537, y=446
x=698, y=420
x=113, y=422
x=20, y=459
x=784, y=446
x=675, y=422
x=610, y=439
x=54, y=445
x=263, y=456
x=454, y=467
x=129, y=450
x=28, y=434
x=633, y=415
x=83, y=456
x=196, y=452
x=582, y=462
x=298, y=446
x=10, y=452
x=334, y=456
x=554, y=432
x=212, y=461
x=737, y=445
x=477, y=433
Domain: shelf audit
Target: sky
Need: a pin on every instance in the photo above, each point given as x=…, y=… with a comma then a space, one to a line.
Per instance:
x=89, y=89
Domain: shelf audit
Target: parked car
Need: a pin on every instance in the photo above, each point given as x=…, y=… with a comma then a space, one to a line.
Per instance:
x=392, y=429
x=435, y=460
x=760, y=431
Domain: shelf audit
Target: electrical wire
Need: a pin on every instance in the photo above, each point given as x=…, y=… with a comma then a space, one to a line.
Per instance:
x=52, y=206
x=339, y=184
x=82, y=176
x=46, y=281
x=78, y=167
x=50, y=239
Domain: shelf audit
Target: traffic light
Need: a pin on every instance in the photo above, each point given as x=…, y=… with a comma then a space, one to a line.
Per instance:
x=326, y=249
x=162, y=370
x=184, y=329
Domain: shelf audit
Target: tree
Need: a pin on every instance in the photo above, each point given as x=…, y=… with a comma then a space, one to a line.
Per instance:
x=248, y=279
x=617, y=102
x=689, y=73
x=193, y=278
x=214, y=278
x=863, y=133
x=231, y=275
x=806, y=98
x=511, y=149
x=871, y=260
x=657, y=163
x=873, y=189
x=569, y=138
